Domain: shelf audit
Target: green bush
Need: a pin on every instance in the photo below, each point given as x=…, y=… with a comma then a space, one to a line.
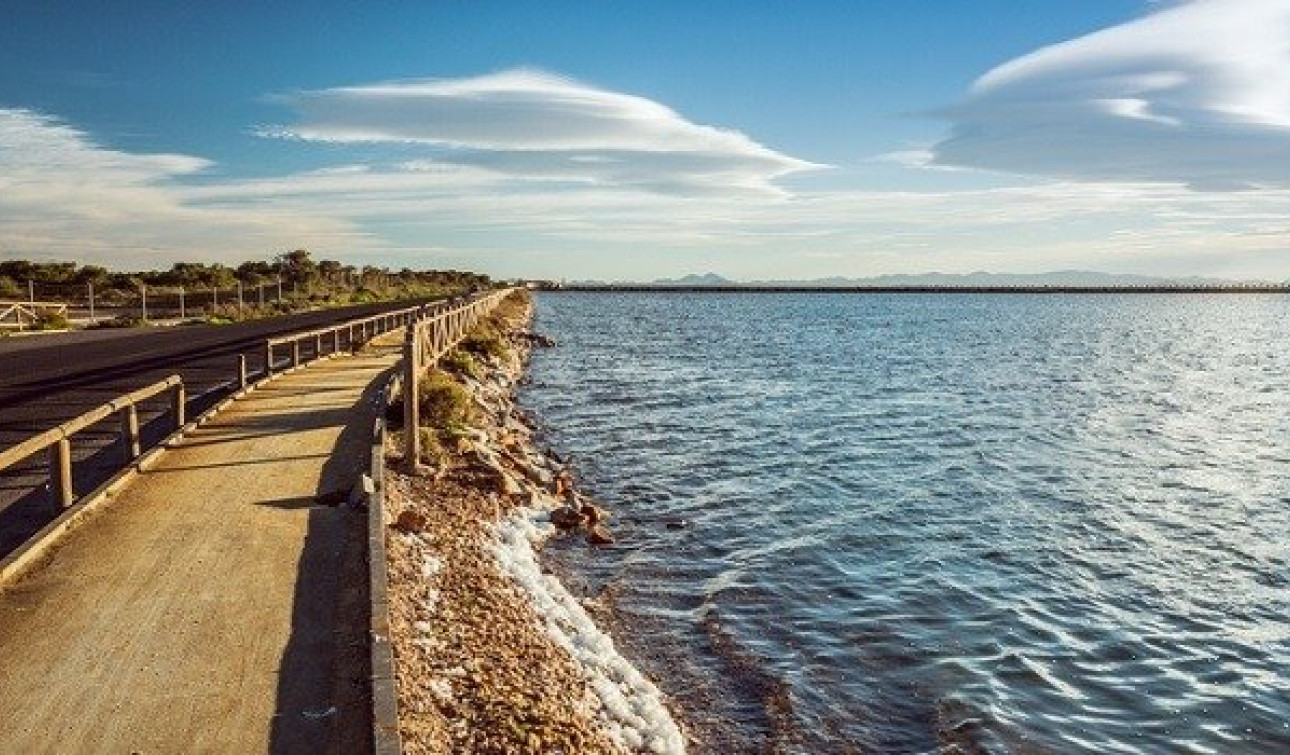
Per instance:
x=46, y=320
x=120, y=321
x=461, y=363
x=485, y=341
x=442, y=401
x=9, y=288
x=432, y=450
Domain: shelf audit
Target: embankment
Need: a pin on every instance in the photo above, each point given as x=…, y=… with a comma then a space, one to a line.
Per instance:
x=492, y=653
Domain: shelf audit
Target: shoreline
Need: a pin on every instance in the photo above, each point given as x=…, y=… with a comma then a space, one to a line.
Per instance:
x=492, y=652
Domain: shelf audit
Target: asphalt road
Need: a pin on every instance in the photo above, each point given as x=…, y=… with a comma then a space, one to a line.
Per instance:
x=48, y=379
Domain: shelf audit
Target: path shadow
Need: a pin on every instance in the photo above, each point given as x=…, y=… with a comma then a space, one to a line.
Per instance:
x=26, y=503
x=324, y=689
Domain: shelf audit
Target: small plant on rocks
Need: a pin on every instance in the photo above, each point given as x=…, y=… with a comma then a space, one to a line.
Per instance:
x=443, y=401
x=432, y=450
x=462, y=363
x=485, y=341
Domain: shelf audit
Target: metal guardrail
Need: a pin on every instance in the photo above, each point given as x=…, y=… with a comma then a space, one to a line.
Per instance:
x=58, y=440
x=427, y=340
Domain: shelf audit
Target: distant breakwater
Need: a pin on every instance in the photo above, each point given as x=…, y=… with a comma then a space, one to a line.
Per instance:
x=1181, y=289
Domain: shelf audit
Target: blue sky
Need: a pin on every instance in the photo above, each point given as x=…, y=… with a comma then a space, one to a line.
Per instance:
x=760, y=140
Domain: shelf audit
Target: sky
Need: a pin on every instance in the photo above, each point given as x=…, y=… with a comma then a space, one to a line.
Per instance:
x=635, y=140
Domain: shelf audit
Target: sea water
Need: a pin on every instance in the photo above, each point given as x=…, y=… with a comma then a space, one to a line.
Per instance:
x=936, y=523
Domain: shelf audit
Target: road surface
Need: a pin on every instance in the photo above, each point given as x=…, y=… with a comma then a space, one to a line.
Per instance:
x=218, y=605
x=47, y=379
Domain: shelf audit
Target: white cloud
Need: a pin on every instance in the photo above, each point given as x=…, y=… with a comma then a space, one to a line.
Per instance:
x=1196, y=93
x=62, y=195
x=536, y=125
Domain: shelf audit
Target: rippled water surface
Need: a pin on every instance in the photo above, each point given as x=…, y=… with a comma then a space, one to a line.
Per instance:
x=938, y=523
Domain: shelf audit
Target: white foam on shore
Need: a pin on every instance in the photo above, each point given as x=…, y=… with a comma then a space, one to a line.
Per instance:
x=631, y=706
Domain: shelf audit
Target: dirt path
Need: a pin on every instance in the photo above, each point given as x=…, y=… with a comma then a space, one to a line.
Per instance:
x=218, y=606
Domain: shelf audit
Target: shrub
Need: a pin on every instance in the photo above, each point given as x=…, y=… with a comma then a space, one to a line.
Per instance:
x=461, y=363
x=432, y=450
x=485, y=341
x=120, y=321
x=46, y=320
x=512, y=307
x=442, y=401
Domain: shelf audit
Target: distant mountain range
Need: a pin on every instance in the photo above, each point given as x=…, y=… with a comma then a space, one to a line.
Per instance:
x=1075, y=278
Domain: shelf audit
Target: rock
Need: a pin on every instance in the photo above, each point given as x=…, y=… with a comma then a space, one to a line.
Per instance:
x=598, y=535
x=507, y=485
x=593, y=513
x=537, y=475
x=410, y=521
x=537, y=339
x=567, y=518
x=564, y=484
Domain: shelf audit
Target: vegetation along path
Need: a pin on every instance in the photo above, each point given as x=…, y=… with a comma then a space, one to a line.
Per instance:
x=220, y=604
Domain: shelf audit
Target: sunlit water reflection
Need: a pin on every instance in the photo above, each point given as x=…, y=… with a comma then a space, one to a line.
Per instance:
x=939, y=523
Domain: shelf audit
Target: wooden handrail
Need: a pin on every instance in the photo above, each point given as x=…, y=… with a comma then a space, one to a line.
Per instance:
x=424, y=343
x=58, y=439
x=356, y=331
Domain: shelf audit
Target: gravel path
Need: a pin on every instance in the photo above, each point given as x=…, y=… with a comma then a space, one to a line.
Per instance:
x=220, y=604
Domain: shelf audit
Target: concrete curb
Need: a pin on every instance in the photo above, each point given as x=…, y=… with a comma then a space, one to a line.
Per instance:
x=385, y=699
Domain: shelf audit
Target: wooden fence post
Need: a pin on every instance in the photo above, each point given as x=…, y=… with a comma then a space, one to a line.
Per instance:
x=130, y=432
x=60, y=473
x=268, y=358
x=179, y=403
x=241, y=372
x=411, y=408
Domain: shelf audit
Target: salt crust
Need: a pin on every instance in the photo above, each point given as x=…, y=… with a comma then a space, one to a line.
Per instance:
x=631, y=706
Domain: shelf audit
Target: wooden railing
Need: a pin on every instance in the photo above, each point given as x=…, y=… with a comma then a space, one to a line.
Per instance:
x=58, y=440
x=20, y=314
x=346, y=335
x=426, y=340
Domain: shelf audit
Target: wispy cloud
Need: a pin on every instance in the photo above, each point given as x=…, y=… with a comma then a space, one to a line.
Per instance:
x=63, y=195
x=1197, y=93
x=536, y=125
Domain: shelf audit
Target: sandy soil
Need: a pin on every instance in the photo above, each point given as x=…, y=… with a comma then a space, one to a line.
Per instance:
x=220, y=604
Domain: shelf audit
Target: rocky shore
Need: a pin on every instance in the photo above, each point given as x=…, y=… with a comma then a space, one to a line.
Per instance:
x=492, y=653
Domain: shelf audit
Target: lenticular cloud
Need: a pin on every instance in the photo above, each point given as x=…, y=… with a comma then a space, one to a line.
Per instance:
x=532, y=124
x=1197, y=93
